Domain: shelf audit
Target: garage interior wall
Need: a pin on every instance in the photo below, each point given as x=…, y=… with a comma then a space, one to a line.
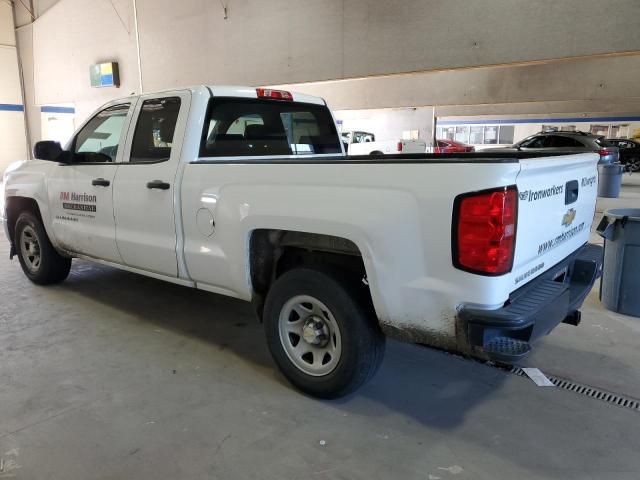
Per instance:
x=359, y=54
x=14, y=144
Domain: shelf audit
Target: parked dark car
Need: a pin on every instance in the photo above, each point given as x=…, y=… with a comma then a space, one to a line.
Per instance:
x=452, y=146
x=629, y=152
x=570, y=142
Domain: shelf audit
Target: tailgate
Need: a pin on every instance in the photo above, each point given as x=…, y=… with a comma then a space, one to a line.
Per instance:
x=557, y=201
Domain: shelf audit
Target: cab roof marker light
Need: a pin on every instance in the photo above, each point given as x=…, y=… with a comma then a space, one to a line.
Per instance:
x=274, y=94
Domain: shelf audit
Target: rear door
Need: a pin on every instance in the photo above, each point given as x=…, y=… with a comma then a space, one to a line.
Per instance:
x=557, y=197
x=146, y=189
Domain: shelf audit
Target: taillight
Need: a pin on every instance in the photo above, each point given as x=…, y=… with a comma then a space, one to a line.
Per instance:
x=484, y=231
x=274, y=94
x=603, y=152
x=399, y=147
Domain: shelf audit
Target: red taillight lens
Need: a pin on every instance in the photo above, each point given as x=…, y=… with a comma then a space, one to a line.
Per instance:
x=603, y=152
x=399, y=146
x=274, y=94
x=485, y=231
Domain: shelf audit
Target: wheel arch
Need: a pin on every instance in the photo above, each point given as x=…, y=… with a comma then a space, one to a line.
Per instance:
x=14, y=206
x=273, y=252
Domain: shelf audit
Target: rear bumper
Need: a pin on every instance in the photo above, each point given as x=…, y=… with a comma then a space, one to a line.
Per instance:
x=535, y=309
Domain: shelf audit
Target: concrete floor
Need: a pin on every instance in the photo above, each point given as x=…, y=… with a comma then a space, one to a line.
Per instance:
x=115, y=376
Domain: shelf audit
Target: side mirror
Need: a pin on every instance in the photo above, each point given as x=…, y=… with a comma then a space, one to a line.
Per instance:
x=48, y=150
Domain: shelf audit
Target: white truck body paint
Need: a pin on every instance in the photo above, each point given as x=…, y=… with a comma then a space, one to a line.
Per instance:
x=398, y=213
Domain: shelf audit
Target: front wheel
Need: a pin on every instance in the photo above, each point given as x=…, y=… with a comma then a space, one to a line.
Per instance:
x=39, y=260
x=321, y=333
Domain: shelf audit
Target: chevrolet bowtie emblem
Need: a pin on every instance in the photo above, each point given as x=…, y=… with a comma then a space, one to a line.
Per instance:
x=569, y=217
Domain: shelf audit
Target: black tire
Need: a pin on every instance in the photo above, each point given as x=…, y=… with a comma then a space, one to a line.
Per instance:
x=362, y=342
x=376, y=153
x=52, y=267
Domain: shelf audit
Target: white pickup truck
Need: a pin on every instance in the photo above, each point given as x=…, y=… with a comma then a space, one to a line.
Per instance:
x=248, y=193
x=365, y=143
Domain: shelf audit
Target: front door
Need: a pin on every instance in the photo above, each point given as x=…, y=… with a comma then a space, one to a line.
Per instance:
x=145, y=191
x=81, y=193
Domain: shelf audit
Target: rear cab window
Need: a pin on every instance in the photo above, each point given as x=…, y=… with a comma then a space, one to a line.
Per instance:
x=239, y=127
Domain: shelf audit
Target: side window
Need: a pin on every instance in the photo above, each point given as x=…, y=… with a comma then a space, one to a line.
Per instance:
x=99, y=139
x=557, y=141
x=506, y=134
x=490, y=135
x=153, y=137
x=476, y=135
x=363, y=137
x=245, y=127
x=535, y=142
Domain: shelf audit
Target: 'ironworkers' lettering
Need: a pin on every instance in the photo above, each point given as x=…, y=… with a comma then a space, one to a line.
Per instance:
x=533, y=195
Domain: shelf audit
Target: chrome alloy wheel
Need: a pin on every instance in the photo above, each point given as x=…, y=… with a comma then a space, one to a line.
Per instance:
x=310, y=335
x=30, y=249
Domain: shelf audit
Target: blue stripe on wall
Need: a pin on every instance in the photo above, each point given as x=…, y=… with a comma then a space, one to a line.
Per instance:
x=10, y=107
x=49, y=109
x=539, y=120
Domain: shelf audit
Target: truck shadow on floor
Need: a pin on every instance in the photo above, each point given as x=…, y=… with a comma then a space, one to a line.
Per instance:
x=432, y=387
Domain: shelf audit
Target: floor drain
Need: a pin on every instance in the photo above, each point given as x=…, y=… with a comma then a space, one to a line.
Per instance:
x=589, y=391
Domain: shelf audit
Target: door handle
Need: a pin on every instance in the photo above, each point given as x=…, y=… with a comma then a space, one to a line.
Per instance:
x=159, y=184
x=100, y=182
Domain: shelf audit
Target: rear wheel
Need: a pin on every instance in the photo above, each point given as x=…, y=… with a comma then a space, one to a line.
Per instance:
x=39, y=260
x=321, y=332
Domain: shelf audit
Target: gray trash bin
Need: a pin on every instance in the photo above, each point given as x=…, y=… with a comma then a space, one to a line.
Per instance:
x=609, y=180
x=620, y=285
